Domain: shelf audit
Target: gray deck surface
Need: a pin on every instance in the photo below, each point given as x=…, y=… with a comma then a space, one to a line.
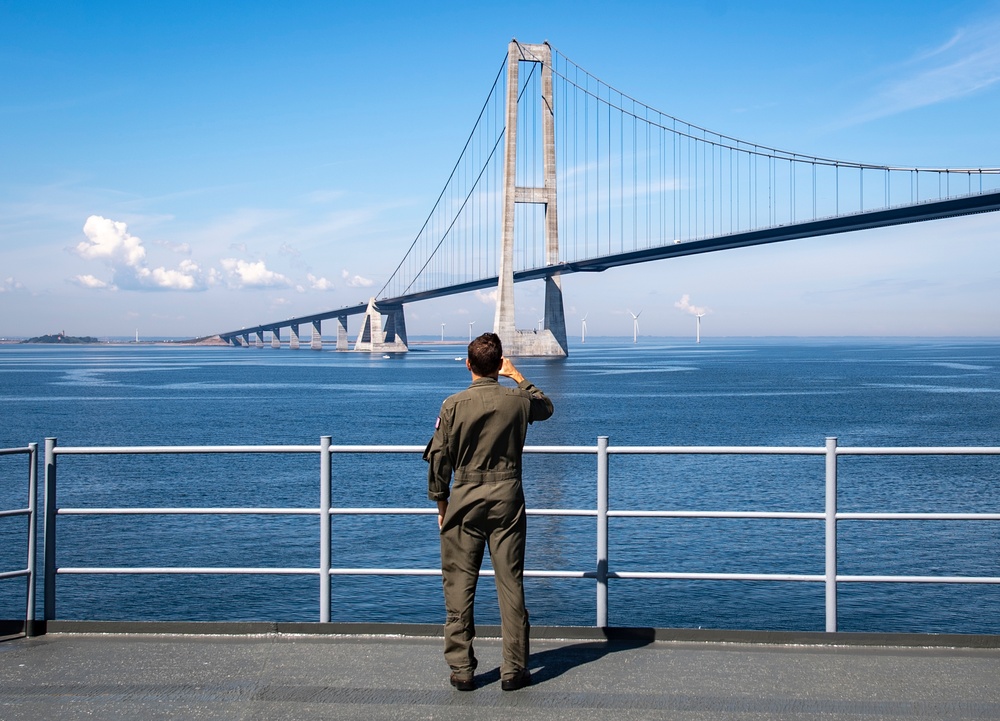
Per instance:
x=276, y=676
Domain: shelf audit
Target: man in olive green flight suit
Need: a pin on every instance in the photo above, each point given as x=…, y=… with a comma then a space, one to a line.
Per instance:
x=479, y=437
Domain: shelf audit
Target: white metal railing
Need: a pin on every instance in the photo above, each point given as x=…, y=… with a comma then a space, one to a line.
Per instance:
x=601, y=572
x=31, y=451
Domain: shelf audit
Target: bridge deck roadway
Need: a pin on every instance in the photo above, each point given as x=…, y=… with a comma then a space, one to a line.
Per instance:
x=917, y=212
x=278, y=676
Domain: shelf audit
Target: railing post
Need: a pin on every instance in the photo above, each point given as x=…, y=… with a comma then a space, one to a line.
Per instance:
x=49, y=531
x=29, y=615
x=602, y=531
x=325, y=483
x=831, y=534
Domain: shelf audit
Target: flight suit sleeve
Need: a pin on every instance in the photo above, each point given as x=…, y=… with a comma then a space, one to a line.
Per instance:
x=438, y=457
x=541, y=407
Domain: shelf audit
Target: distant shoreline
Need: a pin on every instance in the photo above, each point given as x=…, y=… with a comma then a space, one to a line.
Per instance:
x=217, y=342
x=90, y=340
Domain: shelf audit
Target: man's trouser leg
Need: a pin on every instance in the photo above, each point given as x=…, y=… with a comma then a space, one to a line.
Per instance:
x=507, y=540
x=462, y=548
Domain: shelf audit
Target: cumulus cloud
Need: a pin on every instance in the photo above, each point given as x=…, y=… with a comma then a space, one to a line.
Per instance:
x=89, y=281
x=181, y=279
x=244, y=274
x=356, y=281
x=319, y=283
x=110, y=242
x=684, y=304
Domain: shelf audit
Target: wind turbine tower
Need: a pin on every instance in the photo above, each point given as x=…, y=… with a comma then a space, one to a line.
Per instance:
x=698, y=331
x=635, y=325
x=583, y=329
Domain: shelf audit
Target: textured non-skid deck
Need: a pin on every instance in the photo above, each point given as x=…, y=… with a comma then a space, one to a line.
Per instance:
x=263, y=677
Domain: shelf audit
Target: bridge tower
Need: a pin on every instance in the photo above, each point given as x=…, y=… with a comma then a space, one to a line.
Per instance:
x=551, y=339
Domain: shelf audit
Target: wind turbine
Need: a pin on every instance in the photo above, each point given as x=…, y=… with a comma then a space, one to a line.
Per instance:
x=635, y=325
x=583, y=329
x=470, y=330
x=442, y=332
x=698, y=333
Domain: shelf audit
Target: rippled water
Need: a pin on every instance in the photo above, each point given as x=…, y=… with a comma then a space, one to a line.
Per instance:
x=769, y=393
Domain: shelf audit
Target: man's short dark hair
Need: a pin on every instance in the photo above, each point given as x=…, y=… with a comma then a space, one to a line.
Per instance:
x=485, y=354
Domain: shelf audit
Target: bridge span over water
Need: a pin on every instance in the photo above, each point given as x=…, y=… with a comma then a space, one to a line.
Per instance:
x=562, y=173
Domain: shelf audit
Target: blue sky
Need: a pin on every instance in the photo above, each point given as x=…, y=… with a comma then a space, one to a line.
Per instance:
x=188, y=168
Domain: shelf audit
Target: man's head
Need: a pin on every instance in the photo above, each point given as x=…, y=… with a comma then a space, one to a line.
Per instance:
x=485, y=355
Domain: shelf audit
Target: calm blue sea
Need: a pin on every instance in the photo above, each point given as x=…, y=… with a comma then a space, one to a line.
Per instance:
x=657, y=392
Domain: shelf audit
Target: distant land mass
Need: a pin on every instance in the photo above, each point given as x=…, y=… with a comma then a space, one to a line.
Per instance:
x=62, y=338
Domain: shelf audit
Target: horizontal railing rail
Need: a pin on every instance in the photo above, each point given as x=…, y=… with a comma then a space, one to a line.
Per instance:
x=28, y=572
x=601, y=572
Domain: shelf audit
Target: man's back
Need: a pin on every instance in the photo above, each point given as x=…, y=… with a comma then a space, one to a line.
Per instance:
x=487, y=424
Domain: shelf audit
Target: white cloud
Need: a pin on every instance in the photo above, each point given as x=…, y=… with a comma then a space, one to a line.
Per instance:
x=167, y=279
x=319, y=283
x=356, y=281
x=487, y=297
x=244, y=274
x=89, y=281
x=109, y=241
x=684, y=304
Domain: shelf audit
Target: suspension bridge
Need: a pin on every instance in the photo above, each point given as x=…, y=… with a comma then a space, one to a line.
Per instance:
x=562, y=173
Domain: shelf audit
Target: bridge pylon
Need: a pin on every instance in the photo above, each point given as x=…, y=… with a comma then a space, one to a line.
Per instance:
x=550, y=340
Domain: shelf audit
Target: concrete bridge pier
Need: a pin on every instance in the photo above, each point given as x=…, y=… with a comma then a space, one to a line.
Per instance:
x=342, y=343
x=293, y=336
x=260, y=339
x=373, y=339
x=276, y=338
x=370, y=333
x=316, y=343
x=550, y=340
x=395, y=329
